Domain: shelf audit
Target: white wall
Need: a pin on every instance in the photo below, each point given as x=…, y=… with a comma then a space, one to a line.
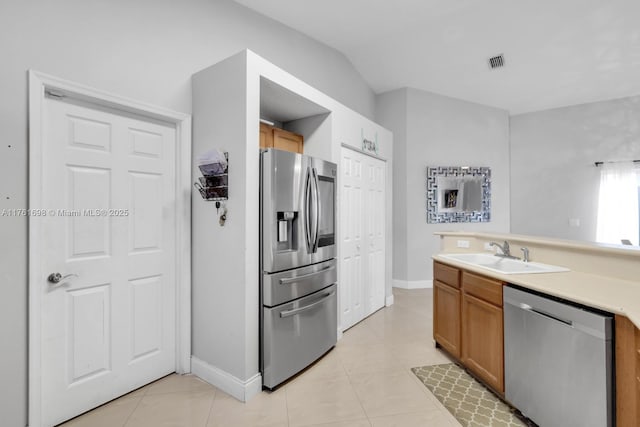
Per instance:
x=391, y=112
x=218, y=256
x=441, y=131
x=553, y=177
x=143, y=49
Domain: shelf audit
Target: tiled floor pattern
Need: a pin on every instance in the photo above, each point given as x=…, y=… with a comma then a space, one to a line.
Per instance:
x=364, y=381
x=471, y=403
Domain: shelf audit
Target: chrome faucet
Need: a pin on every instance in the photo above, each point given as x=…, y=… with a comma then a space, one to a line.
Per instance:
x=506, y=250
x=525, y=256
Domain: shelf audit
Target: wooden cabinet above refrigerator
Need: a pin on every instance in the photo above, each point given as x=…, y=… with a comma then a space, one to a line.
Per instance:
x=273, y=137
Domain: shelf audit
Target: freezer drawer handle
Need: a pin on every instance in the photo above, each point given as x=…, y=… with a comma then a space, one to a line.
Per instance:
x=527, y=307
x=305, y=276
x=295, y=311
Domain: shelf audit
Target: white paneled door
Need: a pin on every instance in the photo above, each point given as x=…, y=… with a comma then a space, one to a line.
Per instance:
x=108, y=325
x=351, y=237
x=374, y=219
x=362, y=236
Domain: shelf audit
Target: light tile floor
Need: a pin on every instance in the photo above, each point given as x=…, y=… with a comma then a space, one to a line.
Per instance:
x=364, y=381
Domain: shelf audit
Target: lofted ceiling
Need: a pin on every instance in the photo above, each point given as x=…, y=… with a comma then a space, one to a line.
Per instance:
x=557, y=53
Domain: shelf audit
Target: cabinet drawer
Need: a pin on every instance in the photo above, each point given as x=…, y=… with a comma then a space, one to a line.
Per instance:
x=446, y=274
x=481, y=287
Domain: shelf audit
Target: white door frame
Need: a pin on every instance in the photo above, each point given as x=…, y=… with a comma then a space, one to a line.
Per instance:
x=38, y=83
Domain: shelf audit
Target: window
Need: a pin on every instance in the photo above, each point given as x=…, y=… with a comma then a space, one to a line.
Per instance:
x=619, y=204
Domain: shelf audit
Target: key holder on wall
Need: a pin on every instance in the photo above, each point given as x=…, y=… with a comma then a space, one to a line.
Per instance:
x=222, y=217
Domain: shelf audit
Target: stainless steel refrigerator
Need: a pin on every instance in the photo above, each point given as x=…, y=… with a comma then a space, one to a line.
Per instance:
x=298, y=321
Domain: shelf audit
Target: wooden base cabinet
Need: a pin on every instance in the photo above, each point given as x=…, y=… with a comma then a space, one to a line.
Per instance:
x=468, y=321
x=446, y=308
x=483, y=333
x=627, y=373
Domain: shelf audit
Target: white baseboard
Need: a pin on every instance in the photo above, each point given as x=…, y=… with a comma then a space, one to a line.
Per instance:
x=389, y=301
x=241, y=390
x=412, y=284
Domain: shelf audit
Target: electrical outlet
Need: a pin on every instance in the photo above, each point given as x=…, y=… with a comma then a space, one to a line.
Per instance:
x=463, y=243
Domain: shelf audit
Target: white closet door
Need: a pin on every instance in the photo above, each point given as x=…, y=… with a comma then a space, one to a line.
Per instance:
x=362, y=236
x=109, y=187
x=351, y=240
x=375, y=237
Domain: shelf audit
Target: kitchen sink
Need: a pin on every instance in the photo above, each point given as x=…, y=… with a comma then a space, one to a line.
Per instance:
x=504, y=265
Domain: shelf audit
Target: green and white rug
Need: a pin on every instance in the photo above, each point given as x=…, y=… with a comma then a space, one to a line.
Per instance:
x=470, y=402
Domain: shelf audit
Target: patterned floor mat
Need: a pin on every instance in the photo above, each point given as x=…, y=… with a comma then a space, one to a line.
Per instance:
x=470, y=402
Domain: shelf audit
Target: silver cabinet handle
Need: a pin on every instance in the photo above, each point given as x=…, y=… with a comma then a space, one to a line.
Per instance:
x=55, y=278
x=289, y=313
x=305, y=276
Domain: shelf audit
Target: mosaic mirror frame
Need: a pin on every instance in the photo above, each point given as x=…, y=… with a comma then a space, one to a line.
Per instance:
x=438, y=214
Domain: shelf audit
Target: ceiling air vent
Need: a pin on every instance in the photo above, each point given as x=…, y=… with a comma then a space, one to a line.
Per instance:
x=496, y=61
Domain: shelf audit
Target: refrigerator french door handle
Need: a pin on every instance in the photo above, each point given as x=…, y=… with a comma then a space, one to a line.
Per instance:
x=307, y=211
x=318, y=210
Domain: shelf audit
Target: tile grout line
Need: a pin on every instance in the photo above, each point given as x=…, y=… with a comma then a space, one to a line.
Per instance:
x=215, y=396
x=126, y=421
x=286, y=405
x=357, y=397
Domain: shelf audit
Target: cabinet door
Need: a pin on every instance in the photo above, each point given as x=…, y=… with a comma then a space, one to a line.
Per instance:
x=446, y=317
x=285, y=140
x=627, y=372
x=266, y=136
x=482, y=340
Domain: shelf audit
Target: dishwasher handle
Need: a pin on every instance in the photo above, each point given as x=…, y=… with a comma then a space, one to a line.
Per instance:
x=528, y=308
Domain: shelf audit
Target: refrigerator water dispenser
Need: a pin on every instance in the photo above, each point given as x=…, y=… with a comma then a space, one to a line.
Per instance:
x=286, y=230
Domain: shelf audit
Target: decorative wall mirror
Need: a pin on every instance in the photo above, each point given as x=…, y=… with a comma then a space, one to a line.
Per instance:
x=458, y=194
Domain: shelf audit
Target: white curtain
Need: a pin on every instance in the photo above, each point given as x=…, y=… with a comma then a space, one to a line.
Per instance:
x=618, y=203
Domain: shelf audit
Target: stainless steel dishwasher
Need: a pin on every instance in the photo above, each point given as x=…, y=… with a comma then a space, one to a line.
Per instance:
x=557, y=360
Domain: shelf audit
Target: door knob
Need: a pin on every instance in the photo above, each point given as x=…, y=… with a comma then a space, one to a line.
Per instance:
x=57, y=277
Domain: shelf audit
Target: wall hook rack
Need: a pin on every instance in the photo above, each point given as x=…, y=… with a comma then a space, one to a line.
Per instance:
x=213, y=185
